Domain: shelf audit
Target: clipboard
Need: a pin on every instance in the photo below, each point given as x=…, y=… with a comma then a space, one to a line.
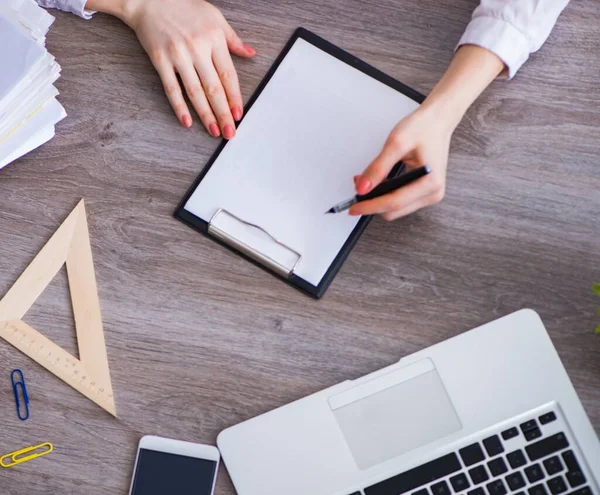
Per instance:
x=211, y=207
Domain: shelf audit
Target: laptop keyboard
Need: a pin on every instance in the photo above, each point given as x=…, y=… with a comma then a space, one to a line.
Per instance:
x=533, y=457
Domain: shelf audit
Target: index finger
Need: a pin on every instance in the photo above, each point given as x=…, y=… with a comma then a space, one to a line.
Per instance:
x=396, y=200
x=379, y=168
x=229, y=78
x=216, y=95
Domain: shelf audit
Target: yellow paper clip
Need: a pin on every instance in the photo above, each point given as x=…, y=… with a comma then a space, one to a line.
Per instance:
x=19, y=457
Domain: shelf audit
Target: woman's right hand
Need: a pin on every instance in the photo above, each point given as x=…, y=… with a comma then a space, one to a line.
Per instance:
x=423, y=137
x=192, y=38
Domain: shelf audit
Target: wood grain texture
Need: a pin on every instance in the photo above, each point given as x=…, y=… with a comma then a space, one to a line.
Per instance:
x=198, y=339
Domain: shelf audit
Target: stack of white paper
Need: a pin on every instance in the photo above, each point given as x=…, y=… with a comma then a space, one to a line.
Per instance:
x=28, y=106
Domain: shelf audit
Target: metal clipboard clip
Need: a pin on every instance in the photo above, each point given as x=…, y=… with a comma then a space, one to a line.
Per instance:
x=280, y=258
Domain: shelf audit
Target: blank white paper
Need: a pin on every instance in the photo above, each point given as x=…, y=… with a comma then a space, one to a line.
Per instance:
x=21, y=109
x=32, y=142
x=28, y=108
x=318, y=123
x=29, y=15
x=34, y=132
x=20, y=53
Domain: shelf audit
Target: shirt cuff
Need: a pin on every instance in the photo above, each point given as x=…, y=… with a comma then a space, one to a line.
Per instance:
x=499, y=37
x=75, y=6
x=78, y=7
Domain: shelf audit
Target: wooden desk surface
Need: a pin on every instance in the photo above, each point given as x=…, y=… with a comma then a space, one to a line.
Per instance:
x=198, y=339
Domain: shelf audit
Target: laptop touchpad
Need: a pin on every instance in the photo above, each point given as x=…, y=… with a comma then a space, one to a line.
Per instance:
x=397, y=412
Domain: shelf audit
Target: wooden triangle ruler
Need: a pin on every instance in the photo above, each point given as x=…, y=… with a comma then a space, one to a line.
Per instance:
x=90, y=374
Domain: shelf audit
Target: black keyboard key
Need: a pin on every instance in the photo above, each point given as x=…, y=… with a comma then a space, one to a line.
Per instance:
x=533, y=434
x=547, y=446
x=557, y=485
x=440, y=488
x=528, y=425
x=553, y=465
x=472, y=454
x=459, y=482
x=516, y=459
x=538, y=490
x=547, y=418
x=416, y=477
x=515, y=481
x=510, y=433
x=424, y=491
x=497, y=466
x=582, y=491
x=478, y=474
x=534, y=473
x=496, y=488
x=476, y=491
x=575, y=478
x=493, y=445
x=571, y=461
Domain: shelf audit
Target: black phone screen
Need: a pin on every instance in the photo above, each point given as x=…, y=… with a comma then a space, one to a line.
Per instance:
x=160, y=473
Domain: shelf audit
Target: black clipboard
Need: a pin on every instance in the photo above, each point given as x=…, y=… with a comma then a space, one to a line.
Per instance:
x=202, y=226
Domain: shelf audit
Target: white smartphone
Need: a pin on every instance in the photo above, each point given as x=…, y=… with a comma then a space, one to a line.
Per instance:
x=165, y=467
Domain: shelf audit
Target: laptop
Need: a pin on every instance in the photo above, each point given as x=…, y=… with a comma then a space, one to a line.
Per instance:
x=489, y=412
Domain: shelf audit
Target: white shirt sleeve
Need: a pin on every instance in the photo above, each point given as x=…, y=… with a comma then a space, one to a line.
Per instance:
x=512, y=29
x=75, y=6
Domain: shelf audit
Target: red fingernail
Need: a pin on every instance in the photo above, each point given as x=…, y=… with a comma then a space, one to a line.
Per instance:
x=228, y=132
x=237, y=113
x=249, y=49
x=214, y=130
x=363, y=186
x=187, y=121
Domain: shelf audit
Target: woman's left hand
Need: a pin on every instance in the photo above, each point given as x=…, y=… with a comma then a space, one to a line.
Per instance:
x=193, y=39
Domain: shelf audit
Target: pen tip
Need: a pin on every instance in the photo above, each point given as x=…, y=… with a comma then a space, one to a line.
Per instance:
x=329, y=211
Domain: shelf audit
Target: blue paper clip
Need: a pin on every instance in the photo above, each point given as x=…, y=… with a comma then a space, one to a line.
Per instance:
x=20, y=383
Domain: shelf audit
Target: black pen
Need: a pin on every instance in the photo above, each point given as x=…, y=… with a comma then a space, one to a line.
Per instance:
x=383, y=188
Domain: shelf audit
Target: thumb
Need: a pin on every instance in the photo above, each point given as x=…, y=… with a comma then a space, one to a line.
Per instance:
x=237, y=46
x=380, y=168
